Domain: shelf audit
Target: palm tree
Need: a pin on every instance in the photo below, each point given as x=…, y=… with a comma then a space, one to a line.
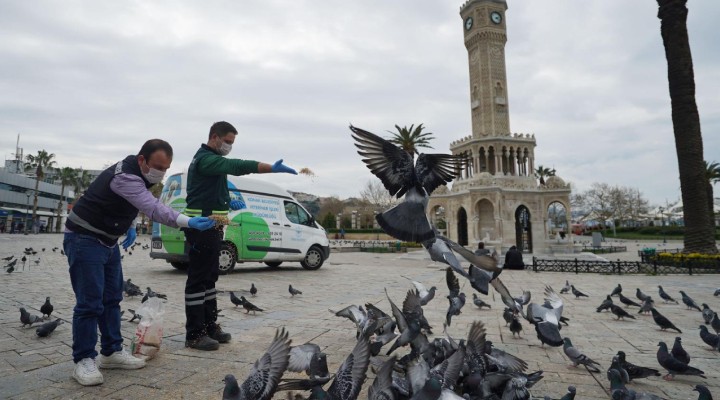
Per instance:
x=699, y=235
x=542, y=173
x=67, y=176
x=40, y=163
x=82, y=181
x=410, y=139
x=712, y=174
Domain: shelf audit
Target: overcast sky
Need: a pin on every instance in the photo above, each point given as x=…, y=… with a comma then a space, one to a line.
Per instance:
x=91, y=81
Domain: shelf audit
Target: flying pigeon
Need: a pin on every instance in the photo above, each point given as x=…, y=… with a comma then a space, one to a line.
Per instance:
x=402, y=176
x=309, y=359
x=425, y=294
x=265, y=375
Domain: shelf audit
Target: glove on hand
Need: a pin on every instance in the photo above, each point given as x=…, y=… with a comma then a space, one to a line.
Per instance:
x=280, y=167
x=201, y=223
x=130, y=238
x=236, y=205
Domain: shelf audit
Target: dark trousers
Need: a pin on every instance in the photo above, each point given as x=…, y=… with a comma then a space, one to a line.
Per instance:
x=200, y=294
x=97, y=280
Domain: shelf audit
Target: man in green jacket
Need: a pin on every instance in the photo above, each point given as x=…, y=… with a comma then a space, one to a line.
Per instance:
x=207, y=194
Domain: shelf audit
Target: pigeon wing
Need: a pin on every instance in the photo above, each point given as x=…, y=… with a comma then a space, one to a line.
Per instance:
x=352, y=373
x=412, y=305
x=421, y=289
x=434, y=170
x=265, y=375
x=393, y=165
x=507, y=360
x=397, y=314
x=453, y=283
x=300, y=357
x=485, y=262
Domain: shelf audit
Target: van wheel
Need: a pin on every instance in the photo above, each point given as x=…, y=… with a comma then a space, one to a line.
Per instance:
x=273, y=264
x=179, y=265
x=313, y=259
x=227, y=258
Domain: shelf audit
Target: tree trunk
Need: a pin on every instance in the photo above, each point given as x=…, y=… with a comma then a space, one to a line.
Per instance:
x=35, y=200
x=711, y=205
x=59, y=214
x=686, y=126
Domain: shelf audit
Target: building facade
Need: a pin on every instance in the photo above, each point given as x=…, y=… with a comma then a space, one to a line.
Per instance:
x=497, y=198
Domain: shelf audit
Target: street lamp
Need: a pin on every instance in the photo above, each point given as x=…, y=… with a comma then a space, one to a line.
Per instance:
x=662, y=219
x=27, y=207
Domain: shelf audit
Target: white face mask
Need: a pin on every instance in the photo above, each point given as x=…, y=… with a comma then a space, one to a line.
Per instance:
x=224, y=149
x=153, y=175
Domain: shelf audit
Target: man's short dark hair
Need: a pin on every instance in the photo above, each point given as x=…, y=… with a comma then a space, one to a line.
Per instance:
x=154, y=145
x=222, y=129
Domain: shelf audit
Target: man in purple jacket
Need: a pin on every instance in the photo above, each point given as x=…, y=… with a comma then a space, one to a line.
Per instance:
x=99, y=218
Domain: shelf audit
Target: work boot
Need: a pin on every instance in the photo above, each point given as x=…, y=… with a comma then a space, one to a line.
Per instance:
x=219, y=335
x=203, y=343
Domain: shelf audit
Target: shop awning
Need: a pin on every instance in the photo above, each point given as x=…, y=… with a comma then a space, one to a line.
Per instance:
x=23, y=211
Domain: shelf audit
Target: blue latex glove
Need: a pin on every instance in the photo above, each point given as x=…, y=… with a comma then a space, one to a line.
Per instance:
x=236, y=205
x=280, y=167
x=201, y=223
x=130, y=238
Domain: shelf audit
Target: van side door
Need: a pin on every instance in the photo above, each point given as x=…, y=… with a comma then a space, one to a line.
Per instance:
x=298, y=230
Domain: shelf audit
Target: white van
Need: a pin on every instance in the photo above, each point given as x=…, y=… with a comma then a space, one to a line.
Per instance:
x=271, y=227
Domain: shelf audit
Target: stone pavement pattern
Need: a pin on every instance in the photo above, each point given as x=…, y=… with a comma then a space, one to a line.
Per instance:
x=35, y=368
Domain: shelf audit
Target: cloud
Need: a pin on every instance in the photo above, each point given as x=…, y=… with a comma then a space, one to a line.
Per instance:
x=91, y=82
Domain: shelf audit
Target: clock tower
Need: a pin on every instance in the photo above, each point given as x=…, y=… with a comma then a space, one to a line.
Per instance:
x=496, y=198
x=485, y=36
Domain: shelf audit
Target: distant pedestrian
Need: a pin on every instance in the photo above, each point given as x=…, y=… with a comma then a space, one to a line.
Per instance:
x=342, y=233
x=514, y=259
x=481, y=250
x=20, y=227
x=2, y=227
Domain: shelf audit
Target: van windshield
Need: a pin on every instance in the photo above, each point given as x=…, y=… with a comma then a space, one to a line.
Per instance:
x=296, y=214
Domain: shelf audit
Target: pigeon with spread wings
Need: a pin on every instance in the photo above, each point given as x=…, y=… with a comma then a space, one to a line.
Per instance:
x=403, y=176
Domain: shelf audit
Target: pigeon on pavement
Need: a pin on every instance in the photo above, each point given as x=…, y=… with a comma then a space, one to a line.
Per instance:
x=479, y=302
x=253, y=290
x=707, y=313
x=265, y=375
x=678, y=351
x=47, y=308
x=456, y=299
x=508, y=316
x=248, y=306
x=689, y=302
x=402, y=176
x=673, y=365
x=640, y=295
x=577, y=293
x=515, y=325
x=570, y=395
x=577, y=357
x=235, y=300
x=717, y=293
x=309, y=359
x=635, y=371
x=628, y=302
x=409, y=327
x=566, y=288
x=293, y=291
x=662, y=321
x=703, y=392
x=666, y=297
x=47, y=328
x=715, y=322
x=605, y=305
x=647, y=305
x=135, y=316
x=28, y=319
x=616, y=291
x=620, y=312
x=621, y=392
x=710, y=339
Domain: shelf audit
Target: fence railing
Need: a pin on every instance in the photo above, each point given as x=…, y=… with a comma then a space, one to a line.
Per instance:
x=576, y=266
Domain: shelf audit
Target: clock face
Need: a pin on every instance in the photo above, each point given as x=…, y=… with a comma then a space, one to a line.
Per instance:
x=495, y=17
x=468, y=23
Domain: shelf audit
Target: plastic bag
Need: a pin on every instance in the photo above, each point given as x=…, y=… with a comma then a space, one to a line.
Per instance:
x=149, y=333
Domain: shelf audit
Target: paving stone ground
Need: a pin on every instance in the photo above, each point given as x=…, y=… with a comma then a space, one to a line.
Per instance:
x=34, y=368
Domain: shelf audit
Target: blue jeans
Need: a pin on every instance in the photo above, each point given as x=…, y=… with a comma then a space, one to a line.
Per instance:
x=97, y=280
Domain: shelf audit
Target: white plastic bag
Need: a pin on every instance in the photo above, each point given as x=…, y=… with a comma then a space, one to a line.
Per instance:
x=149, y=333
